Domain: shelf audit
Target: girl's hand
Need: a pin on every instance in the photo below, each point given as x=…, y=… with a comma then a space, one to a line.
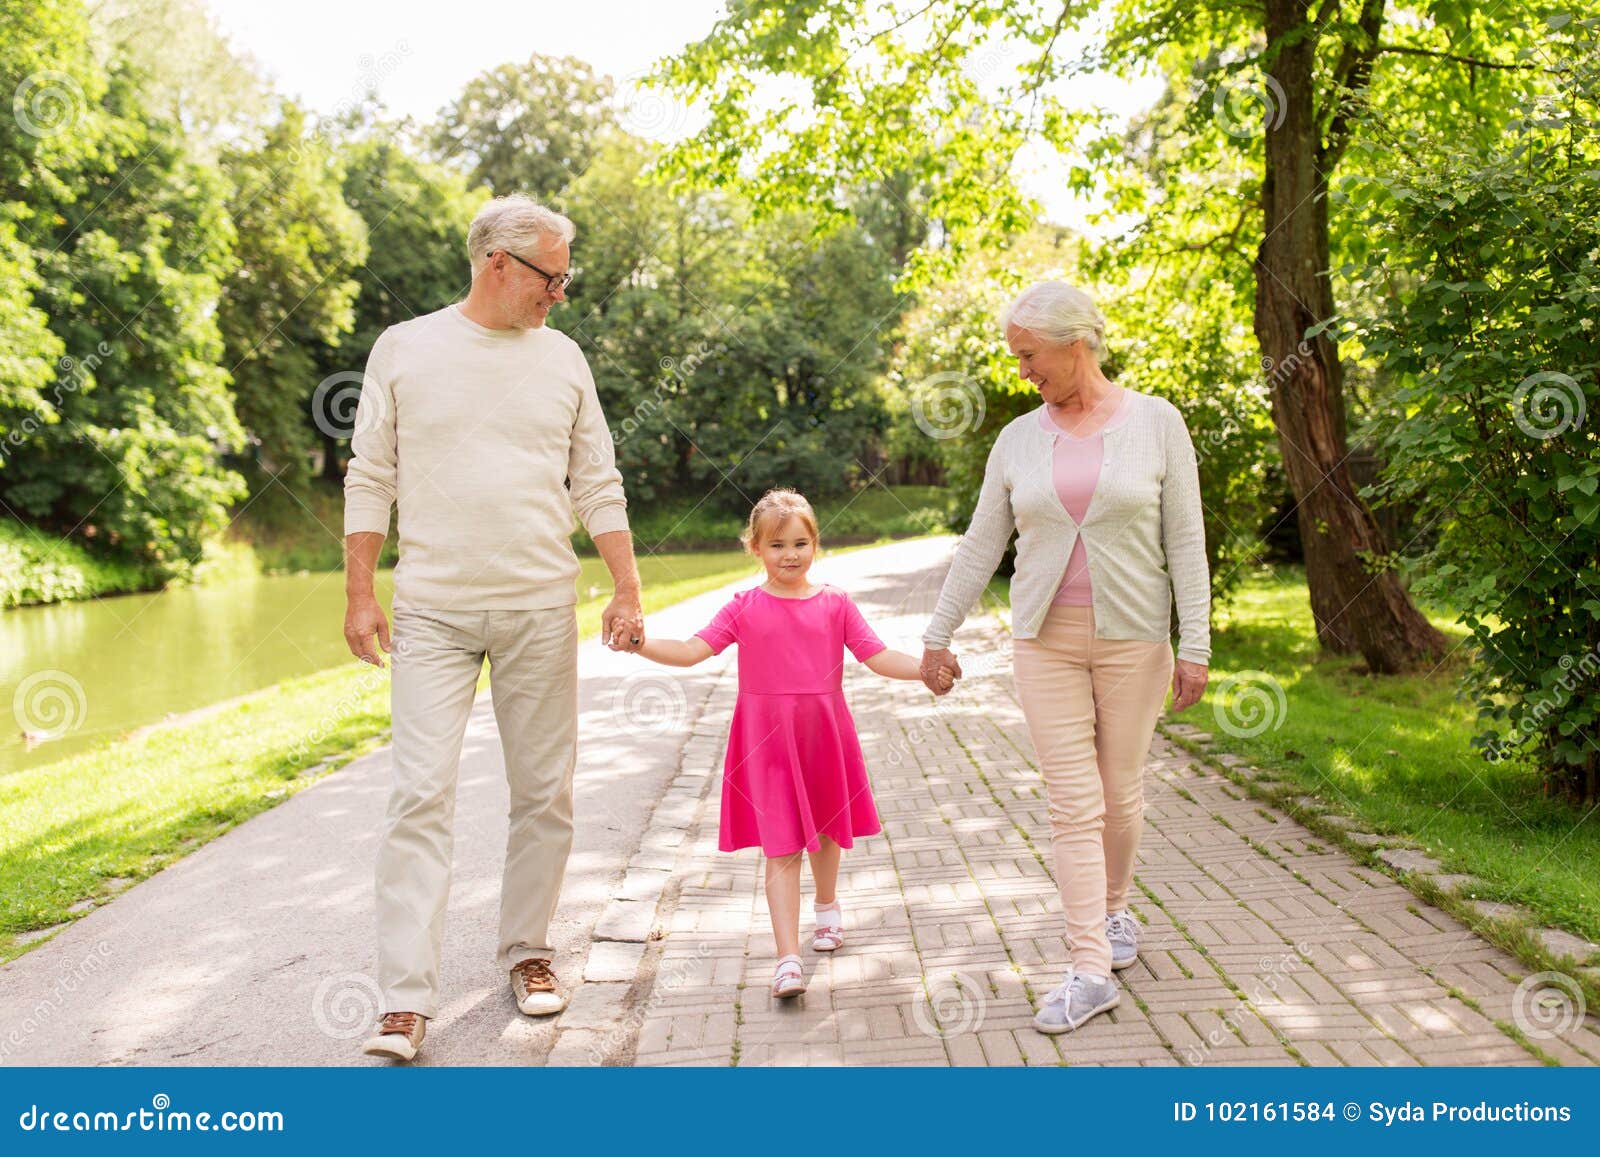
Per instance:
x=1188, y=683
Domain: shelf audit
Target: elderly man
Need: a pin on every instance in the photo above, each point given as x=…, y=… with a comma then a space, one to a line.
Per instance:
x=475, y=421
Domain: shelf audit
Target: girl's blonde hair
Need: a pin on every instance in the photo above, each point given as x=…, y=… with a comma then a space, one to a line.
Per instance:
x=779, y=504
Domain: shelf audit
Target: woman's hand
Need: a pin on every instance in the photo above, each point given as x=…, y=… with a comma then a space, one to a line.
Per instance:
x=1188, y=683
x=940, y=669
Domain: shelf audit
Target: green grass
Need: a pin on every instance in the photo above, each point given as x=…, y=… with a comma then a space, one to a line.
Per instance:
x=1394, y=753
x=291, y=531
x=81, y=829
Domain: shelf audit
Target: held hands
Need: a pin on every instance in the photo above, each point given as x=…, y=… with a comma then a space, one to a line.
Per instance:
x=939, y=669
x=622, y=622
x=1188, y=683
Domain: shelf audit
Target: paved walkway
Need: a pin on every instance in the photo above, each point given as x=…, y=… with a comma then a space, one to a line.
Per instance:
x=1262, y=943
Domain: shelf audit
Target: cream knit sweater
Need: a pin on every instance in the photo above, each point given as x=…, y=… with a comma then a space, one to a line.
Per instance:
x=1144, y=534
x=476, y=434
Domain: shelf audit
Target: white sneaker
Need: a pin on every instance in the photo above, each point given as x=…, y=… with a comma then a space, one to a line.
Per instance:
x=399, y=1036
x=534, y=986
x=1075, y=1000
x=1122, y=930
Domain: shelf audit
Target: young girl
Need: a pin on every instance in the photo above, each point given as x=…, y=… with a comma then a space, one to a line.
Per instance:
x=794, y=780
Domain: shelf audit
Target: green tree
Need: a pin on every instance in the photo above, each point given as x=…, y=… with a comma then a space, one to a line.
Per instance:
x=131, y=274
x=54, y=129
x=1494, y=343
x=527, y=128
x=1270, y=93
x=729, y=354
x=190, y=73
x=298, y=245
x=416, y=215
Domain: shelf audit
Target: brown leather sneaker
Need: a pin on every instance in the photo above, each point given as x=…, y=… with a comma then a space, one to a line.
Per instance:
x=399, y=1036
x=534, y=986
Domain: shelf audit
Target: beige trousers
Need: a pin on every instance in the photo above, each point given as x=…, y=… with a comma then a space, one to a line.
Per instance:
x=1091, y=706
x=437, y=656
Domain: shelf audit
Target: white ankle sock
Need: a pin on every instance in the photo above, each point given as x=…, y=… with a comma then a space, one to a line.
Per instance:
x=830, y=914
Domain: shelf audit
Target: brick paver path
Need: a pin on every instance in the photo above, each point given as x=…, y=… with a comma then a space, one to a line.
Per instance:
x=1261, y=943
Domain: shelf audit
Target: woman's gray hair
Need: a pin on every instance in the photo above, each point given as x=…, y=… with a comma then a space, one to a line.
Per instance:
x=1059, y=314
x=517, y=223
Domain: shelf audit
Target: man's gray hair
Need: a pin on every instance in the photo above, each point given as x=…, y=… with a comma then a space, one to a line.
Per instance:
x=1059, y=314
x=517, y=223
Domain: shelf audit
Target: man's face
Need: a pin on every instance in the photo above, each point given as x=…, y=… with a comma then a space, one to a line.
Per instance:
x=526, y=296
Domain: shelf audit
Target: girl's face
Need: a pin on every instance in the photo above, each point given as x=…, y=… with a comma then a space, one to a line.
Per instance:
x=786, y=549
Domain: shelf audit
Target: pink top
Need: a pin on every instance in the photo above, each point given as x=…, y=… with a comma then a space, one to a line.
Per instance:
x=1077, y=464
x=792, y=646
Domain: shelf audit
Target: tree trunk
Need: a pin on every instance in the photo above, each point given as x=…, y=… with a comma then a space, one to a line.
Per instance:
x=331, y=469
x=1356, y=610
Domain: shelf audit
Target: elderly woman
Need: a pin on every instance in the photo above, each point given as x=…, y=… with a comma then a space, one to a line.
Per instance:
x=1101, y=488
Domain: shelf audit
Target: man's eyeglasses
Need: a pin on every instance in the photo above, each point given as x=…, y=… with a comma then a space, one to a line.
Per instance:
x=554, y=282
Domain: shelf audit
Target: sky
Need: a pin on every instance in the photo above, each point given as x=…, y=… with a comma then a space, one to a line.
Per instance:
x=421, y=54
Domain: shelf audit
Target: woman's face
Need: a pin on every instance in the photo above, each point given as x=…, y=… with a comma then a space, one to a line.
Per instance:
x=1054, y=370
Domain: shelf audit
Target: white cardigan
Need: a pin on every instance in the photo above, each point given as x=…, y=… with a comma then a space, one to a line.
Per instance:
x=1143, y=533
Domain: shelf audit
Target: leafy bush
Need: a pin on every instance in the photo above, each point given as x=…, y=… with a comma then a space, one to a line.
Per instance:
x=1494, y=267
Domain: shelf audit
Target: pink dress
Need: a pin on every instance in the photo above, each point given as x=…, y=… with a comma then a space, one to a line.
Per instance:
x=794, y=769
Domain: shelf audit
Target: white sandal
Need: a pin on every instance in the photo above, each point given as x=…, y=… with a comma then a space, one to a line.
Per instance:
x=829, y=936
x=788, y=979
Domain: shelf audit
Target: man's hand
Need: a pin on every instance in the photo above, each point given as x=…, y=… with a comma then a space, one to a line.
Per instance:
x=622, y=622
x=364, y=618
x=1188, y=683
x=940, y=669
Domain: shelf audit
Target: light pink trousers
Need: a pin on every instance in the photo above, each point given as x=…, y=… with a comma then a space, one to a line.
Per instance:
x=1091, y=706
